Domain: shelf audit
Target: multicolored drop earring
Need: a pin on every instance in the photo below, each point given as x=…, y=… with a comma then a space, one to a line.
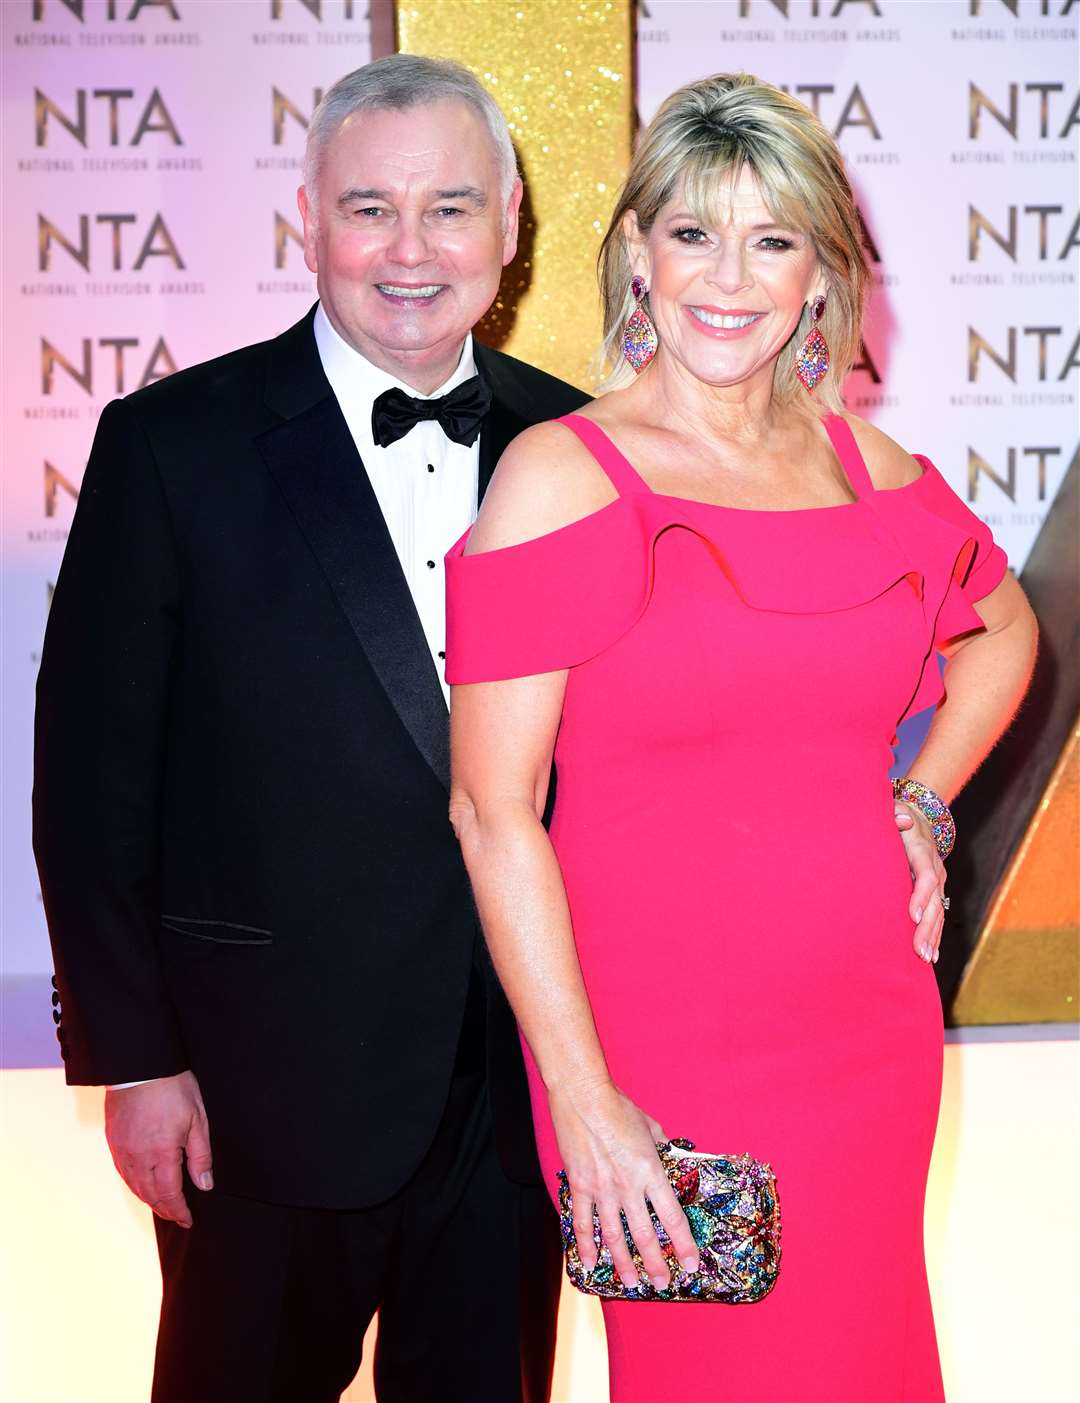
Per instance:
x=812, y=360
x=639, y=335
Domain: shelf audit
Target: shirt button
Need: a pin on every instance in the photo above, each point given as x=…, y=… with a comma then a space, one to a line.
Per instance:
x=431, y=565
x=441, y=653
x=431, y=467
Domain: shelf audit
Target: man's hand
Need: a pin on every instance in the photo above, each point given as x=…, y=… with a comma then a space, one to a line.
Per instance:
x=150, y=1129
x=927, y=905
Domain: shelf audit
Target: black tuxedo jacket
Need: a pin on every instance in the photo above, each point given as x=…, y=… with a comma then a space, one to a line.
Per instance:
x=241, y=784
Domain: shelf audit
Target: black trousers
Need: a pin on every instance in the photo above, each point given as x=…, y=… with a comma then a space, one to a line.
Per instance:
x=269, y=1304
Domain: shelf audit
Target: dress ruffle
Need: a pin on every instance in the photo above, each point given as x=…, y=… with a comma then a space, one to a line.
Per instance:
x=963, y=565
x=559, y=600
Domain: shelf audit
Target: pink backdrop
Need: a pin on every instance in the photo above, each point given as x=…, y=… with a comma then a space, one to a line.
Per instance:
x=151, y=153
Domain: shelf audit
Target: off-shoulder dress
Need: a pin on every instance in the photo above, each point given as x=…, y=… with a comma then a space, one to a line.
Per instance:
x=738, y=888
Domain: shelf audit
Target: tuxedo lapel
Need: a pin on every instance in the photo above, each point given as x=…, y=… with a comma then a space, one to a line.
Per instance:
x=314, y=461
x=502, y=421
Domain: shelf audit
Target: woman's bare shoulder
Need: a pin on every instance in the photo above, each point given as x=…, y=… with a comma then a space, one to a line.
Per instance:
x=544, y=480
x=889, y=465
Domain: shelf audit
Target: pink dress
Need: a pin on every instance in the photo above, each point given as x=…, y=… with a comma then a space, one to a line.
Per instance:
x=738, y=888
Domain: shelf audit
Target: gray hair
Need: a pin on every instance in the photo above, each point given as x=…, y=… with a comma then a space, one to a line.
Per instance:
x=398, y=82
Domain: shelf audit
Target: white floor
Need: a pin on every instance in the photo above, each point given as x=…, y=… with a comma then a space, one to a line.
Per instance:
x=79, y=1284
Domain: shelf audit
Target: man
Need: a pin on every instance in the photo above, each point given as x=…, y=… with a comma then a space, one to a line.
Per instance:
x=265, y=943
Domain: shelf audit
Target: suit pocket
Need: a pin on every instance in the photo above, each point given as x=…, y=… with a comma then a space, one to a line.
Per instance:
x=217, y=932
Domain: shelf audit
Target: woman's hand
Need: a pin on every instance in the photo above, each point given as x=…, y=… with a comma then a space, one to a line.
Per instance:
x=927, y=907
x=608, y=1149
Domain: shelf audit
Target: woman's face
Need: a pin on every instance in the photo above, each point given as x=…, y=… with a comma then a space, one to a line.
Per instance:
x=725, y=300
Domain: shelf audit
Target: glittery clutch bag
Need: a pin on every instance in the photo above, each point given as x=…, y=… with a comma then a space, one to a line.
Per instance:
x=731, y=1204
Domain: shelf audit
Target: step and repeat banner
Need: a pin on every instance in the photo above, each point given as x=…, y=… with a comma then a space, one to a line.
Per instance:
x=151, y=154
x=959, y=123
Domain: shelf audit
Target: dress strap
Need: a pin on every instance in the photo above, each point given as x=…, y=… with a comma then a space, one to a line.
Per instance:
x=624, y=477
x=847, y=450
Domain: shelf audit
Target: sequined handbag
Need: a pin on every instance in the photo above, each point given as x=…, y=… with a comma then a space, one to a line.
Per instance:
x=731, y=1204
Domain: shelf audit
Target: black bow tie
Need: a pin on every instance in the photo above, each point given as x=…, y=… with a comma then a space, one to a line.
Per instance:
x=460, y=413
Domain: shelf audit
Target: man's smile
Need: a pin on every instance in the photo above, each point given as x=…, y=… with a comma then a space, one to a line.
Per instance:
x=405, y=293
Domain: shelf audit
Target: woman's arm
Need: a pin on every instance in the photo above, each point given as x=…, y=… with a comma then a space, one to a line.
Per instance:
x=502, y=740
x=502, y=736
x=986, y=676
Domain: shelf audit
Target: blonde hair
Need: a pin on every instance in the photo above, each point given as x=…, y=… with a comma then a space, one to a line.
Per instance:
x=703, y=136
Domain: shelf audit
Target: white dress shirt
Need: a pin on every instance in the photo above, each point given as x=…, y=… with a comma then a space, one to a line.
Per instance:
x=426, y=485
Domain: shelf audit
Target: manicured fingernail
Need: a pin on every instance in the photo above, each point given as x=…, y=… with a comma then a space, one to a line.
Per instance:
x=206, y=1180
x=660, y=1282
x=692, y=1263
x=918, y=914
x=936, y=953
x=924, y=951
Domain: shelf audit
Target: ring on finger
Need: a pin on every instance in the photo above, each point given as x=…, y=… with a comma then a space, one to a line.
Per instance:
x=945, y=902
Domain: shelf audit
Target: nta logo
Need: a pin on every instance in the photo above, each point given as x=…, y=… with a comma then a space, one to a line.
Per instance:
x=1045, y=7
x=1009, y=361
x=1037, y=229
x=159, y=364
x=284, y=233
x=978, y=467
x=313, y=7
x=154, y=116
x=56, y=481
x=78, y=9
x=1010, y=119
x=855, y=111
x=284, y=107
x=156, y=243
x=814, y=9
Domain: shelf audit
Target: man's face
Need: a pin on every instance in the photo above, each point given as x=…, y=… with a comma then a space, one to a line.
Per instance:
x=408, y=237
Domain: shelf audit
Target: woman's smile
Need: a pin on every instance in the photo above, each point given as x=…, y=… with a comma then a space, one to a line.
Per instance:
x=720, y=323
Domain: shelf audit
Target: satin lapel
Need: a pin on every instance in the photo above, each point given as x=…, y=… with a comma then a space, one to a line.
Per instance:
x=501, y=423
x=314, y=460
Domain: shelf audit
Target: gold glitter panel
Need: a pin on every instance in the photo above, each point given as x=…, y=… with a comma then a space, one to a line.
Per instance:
x=561, y=70
x=1026, y=966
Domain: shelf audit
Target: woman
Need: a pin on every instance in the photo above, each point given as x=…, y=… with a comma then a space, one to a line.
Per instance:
x=712, y=596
